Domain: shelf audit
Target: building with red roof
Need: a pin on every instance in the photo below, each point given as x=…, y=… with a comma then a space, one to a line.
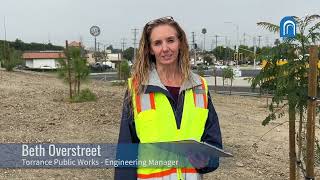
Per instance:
x=42, y=59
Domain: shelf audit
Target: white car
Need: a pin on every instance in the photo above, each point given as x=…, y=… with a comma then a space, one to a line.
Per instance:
x=237, y=72
x=221, y=66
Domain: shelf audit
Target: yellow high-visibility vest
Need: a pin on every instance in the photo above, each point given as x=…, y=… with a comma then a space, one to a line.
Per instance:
x=155, y=122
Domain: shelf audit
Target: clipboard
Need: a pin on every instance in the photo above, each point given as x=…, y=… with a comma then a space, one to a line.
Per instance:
x=185, y=147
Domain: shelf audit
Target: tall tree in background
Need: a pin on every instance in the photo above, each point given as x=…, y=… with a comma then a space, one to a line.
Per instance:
x=128, y=53
x=289, y=81
x=222, y=53
x=22, y=46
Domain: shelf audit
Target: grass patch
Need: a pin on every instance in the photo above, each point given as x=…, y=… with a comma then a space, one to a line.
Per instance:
x=85, y=95
x=119, y=83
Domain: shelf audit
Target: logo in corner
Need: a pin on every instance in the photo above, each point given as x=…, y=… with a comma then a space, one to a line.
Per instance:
x=288, y=27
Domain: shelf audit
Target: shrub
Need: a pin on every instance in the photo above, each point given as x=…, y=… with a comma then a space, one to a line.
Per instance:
x=10, y=58
x=200, y=70
x=124, y=71
x=119, y=83
x=85, y=95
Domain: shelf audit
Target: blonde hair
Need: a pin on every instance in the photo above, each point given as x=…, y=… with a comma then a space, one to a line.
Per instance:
x=144, y=59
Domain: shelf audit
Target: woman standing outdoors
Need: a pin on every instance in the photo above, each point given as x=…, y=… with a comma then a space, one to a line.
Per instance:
x=166, y=102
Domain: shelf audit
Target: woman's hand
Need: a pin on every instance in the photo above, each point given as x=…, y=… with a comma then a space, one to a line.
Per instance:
x=198, y=160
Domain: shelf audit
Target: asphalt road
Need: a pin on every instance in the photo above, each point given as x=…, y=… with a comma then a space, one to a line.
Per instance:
x=244, y=73
x=109, y=76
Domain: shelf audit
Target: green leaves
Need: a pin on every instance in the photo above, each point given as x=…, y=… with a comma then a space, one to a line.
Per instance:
x=228, y=73
x=269, y=26
x=124, y=70
x=10, y=58
x=79, y=71
x=288, y=82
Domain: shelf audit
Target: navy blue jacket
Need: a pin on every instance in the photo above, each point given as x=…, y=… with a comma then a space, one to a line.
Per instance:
x=128, y=134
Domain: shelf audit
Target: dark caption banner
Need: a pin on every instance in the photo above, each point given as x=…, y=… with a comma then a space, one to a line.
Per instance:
x=160, y=155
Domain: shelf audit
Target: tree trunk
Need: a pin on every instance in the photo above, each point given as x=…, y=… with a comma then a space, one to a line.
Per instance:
x=75, y=85
x=78, y=85
x=69, y=70
x=230, y=86
x=292, y=146
x=300, y=139
x=311, y=112
x=215, y=79
x=267, y=99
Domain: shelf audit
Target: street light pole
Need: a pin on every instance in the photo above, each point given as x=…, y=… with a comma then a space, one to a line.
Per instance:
x=204, y=31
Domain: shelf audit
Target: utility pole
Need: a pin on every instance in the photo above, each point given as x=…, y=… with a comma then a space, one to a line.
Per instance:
x=95, y=45
x=216, y=36
x=259, y=41
x=123, y=43
x=212, y=44
x=254, y=51
x=214, y=68
x=244, y=38
x=194, y=47
x=135, y=32
x=267, y=41
x=5, y=41
x=5, y=29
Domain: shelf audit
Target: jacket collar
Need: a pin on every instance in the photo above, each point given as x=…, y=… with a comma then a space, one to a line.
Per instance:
x=154, y=80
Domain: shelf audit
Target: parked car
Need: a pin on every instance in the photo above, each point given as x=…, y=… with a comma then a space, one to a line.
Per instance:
x=237, y=72
x=96, y=67
x=22, y=67
x=100, y=67
x=221, y=66
x=203, y=66
x=193, y=67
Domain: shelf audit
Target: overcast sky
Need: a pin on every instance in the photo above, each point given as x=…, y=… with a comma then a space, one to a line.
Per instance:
x=59, y=20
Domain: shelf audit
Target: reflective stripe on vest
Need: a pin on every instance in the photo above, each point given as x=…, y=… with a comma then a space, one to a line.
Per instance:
x=155, y=122
x=171, y=174
x=200, y=95
x=144, y=101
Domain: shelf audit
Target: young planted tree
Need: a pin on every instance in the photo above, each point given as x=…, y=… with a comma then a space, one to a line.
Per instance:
x=124, y=70
x=289, y=82
x=227, y=73
x=74, y=70
x=81, y=70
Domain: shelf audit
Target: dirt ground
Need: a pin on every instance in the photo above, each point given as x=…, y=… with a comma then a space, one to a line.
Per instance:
x=33, y=110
